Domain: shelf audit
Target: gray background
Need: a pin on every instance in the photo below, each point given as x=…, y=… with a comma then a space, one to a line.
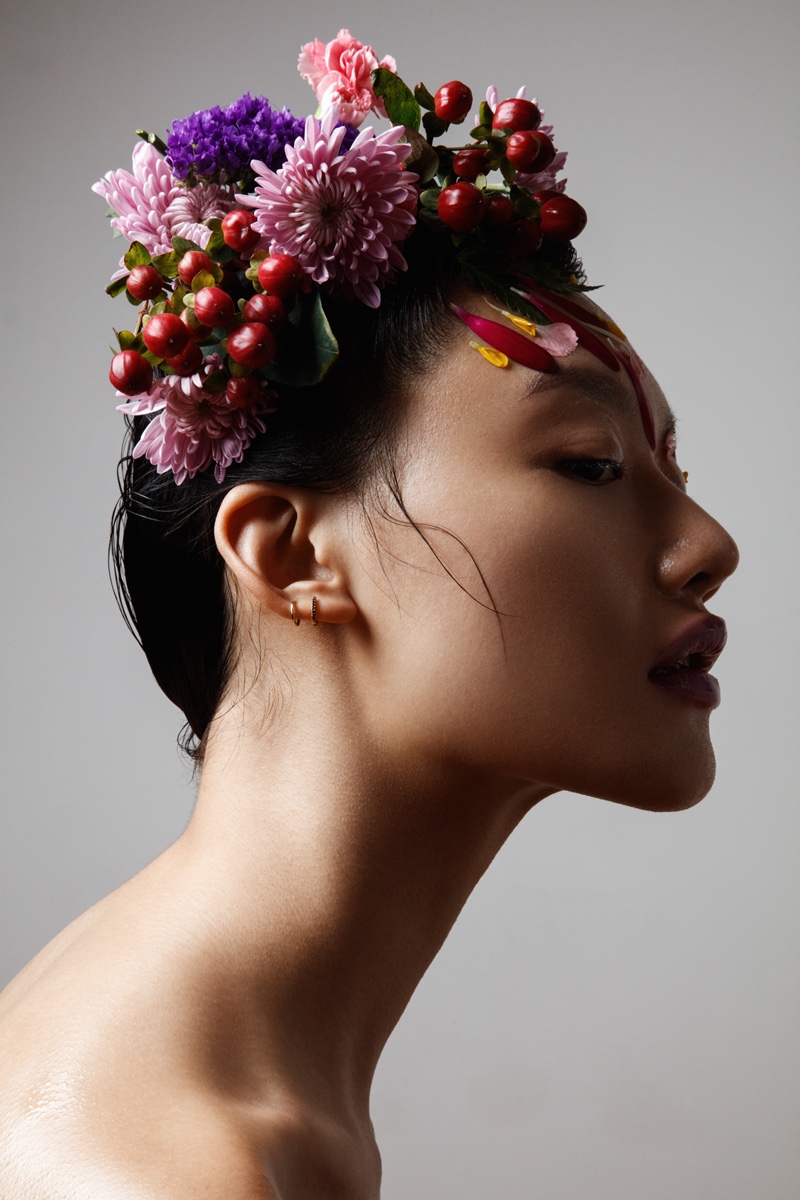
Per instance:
x=615, y=1015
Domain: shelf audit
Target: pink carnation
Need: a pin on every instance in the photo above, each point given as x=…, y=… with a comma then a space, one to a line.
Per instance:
x=341, y=215
x=153, y=207
x=194, y=428
x=341, y=73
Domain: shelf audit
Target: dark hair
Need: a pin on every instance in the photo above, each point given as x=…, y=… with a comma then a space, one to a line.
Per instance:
x=336, y=437
x=168, y=575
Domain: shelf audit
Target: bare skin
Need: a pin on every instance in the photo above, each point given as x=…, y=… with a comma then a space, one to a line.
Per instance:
x=212, y=1028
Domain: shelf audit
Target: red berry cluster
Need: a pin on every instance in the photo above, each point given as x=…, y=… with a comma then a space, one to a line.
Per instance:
x=508, y=139
x=200, y=310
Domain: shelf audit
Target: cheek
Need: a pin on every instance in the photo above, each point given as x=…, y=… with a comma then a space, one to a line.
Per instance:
x=555, y=689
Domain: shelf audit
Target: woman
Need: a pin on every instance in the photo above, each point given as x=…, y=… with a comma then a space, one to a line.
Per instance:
x=403, y=583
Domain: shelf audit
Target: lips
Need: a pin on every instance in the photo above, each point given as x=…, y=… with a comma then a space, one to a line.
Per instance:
x=683, y=668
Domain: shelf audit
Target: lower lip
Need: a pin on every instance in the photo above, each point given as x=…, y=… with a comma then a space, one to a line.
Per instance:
x=698, y=687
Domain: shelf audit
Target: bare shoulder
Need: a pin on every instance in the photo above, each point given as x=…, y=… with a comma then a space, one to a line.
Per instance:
x=184, y=1146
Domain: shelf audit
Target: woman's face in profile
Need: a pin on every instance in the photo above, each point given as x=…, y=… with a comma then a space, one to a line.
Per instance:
x=598, y=562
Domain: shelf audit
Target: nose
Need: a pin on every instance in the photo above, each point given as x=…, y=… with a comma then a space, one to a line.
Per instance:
x=698, y=556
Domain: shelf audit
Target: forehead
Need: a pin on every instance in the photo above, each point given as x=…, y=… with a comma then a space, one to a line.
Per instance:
x=581, y=379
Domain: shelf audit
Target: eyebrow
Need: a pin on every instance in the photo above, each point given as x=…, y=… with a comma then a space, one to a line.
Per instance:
x=602, y=387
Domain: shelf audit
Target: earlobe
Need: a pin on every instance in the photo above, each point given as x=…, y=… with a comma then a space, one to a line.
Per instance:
x=281, y=551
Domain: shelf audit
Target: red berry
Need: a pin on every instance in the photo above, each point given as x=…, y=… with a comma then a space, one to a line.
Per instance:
x=545, y=195
x=188, y=361
x=453, y=101
x=165, y=335
x=244, y=392
x=525, y=238
x=214, y=307
x=199, y=333
x=516, y=114
x=562, y=218
x=460, y=206
x=252, y=345
x=237, y=230
x=469, y=164
x=144, y=283
x=530, y=149
x=499, y=210
x=191, y=264
x=280, y=275
x=130, y=372
x=269, y=310
x=547, y=150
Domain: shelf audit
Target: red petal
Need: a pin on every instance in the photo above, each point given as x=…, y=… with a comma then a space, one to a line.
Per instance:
x=518, y=347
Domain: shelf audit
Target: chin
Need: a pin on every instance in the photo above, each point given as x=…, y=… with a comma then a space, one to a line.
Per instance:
x=671, y=786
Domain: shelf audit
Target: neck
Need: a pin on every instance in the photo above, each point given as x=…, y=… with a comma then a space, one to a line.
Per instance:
x=330, y=874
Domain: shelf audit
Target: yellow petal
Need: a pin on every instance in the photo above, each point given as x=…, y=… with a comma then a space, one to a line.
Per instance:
x=495, y=357
x=612, y=327
x=520, y=322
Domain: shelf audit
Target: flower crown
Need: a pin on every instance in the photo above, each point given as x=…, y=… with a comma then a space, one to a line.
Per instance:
x=246, y=218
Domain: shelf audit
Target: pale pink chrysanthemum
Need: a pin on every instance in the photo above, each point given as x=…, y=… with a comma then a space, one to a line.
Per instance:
x=340, y=72
x=341, y=215
x=141, y=200
x=194, y=428
x=153, y=207
x=187, y=212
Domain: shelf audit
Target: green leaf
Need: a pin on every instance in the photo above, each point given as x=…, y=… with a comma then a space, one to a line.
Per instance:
x=127, y=340
x=153, y=359
x=216, y=244
x=423, y=97
x=424, y=159
x=153, y=139
x=216, y=382
x=137, y=256
x=181, y=245
x=160, y=306
x=401, y=107
x=177, y=299
x=188, y=302
x=485, y=114
x=508, y=170
x=434, y=126
x=430, y=198
x=308, y=347
x=481, y=133
x=117, y=285
x=203, y=279
x=236, y=369
x=132, y=299
x=167, y=264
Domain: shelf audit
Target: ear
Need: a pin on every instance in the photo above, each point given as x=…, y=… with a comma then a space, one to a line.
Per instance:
x=280, y=544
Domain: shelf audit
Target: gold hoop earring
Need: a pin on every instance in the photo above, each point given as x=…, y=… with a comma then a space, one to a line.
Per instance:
x=314, y=620
x=292, y=613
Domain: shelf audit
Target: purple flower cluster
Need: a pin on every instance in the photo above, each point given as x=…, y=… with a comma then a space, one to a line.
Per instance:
x=220, y=143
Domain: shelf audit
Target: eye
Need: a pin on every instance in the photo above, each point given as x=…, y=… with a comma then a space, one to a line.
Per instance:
x=597, y=471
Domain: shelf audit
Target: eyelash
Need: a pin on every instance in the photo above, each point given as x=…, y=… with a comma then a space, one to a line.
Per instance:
x=584, y=467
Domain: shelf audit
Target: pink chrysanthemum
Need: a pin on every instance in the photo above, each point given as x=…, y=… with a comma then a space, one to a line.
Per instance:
x=152, y=207
x=193, y=428
x=341, y=215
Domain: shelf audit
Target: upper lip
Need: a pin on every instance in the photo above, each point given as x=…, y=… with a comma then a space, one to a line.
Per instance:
x=697, y=648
